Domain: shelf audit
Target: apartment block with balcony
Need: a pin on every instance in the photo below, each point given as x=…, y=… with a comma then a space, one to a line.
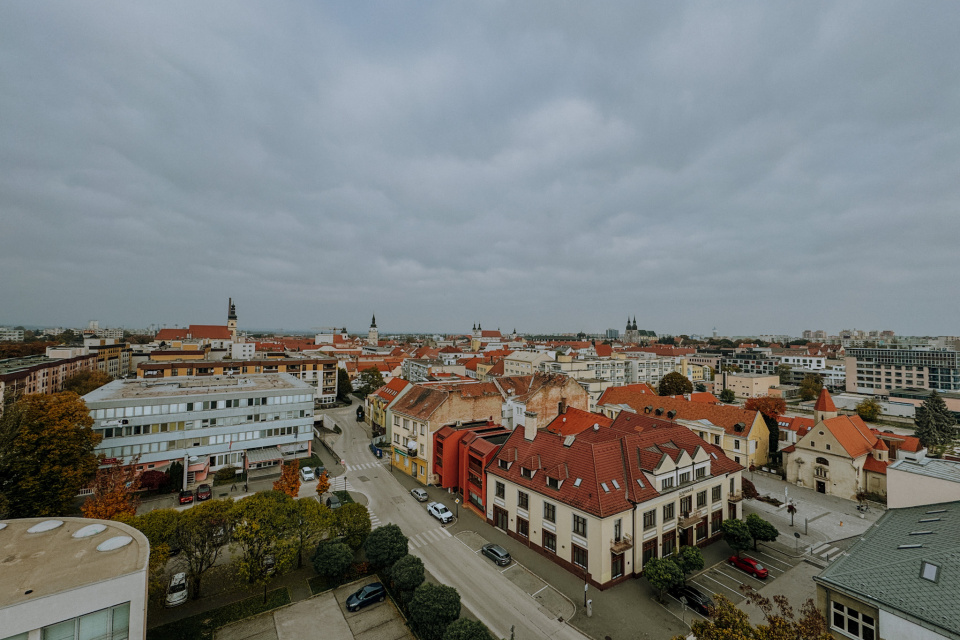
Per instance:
x=41, y=374
x=878, y=371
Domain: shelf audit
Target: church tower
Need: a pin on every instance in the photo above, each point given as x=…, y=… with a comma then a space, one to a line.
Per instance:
x=232, y=319
x=373, y=336
x=824, y=408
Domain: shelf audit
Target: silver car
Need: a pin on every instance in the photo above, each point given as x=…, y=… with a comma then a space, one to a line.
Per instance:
x=419, y=494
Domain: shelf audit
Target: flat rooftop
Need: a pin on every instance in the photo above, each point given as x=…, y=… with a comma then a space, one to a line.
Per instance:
x=179, y=386
x=59, y=557
x=931, y=467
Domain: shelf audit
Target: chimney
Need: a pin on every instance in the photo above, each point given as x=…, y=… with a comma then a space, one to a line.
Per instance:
x=529, y=425
x=562, y=406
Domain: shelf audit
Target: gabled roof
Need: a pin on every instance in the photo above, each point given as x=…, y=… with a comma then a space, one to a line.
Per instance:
x=496, y=370
x=627, y=394
x=721, y=415
x=824, y=402
x=575, y=420
x=420, y=402
x=874, y=465
x=852, y=433
x=390, y=390
x=604, y=350
x=907, y=443
x=705, y=397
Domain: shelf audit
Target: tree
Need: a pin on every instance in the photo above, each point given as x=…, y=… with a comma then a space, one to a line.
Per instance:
x=344, y=386
x=783, y=370
x=729, y=622
x=351, y=523
x=153, y=480
x=792, y=510
x=761, y=530
x=869, y=409
x=289, y=481
x=385, y=545
x=332, y=560
x=175, y=473
x=727, y=396
x=202, y=531
x=432, y=609
x=46, y=454
x=663, y=574
x=115, y=490
x=264, y=537
x=310, y=523
x=810, y=386
x=730, y=368
x=689, y=559
x=700, y=387
x=674, y=384
x=370, y=381
x=736, y=533
x=936, y=426
x=467, y=629
x=323, y=483
x=407, y=573
x=84, y=382
x=158, y=526
x=771, y=409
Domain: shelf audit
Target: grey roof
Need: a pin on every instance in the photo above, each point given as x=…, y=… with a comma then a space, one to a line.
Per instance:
x=932, y=467
x=877, y=572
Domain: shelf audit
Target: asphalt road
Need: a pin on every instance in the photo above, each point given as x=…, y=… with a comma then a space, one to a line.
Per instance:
x=495, y=600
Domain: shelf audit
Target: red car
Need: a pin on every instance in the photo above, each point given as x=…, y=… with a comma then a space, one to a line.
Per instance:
x=204, y=492
x=186, y=497
x=751, y=566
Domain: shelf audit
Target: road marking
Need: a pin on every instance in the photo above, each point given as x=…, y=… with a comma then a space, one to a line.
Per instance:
x=761, y=553
x=448, y=534
x=817, y=548
x=508, y=568
x=534, y=595
x=721, y=584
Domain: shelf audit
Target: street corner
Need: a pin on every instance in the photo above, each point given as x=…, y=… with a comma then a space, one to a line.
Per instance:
x=554, y=603
x=473, y=540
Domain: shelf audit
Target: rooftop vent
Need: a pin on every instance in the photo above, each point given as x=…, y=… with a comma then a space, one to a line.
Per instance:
x=937, y=511
x=659, y=411
x=920, y=533
x=929, y=520
x=671, y=414
x=910, y=546
x=647, y=409
x=739, y=427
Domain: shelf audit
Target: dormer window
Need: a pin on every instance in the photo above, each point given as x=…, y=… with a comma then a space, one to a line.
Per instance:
x=684, y=477
x=553, y=483
x=666, y=483
x=526, y=473
x=700, y=473
x=503, y=464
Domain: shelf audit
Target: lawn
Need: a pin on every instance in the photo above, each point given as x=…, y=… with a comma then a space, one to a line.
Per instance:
x=202, y=625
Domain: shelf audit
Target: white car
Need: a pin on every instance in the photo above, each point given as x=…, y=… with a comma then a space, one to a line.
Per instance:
x=306, y=474
x=177, y=591
x=440, y=512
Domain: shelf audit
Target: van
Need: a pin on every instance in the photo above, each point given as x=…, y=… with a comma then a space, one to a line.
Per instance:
x=177, y=591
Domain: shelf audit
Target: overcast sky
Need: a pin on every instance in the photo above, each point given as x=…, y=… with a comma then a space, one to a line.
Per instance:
x=756, y=167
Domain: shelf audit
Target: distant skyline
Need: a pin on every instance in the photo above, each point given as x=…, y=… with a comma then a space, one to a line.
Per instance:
x=758, y=167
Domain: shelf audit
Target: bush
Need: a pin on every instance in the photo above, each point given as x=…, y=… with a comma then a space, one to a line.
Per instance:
x=154, y=480
x=407, y=573
x=466, y=629
x=385, y=545
x=432, y=609
x=749, y=490
x=332, y=560
x=227, y=474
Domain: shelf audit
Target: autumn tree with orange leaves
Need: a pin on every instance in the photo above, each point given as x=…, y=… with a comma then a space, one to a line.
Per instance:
x=770, y=408
x=323, y=483
x=114, y=492
x=289, y=482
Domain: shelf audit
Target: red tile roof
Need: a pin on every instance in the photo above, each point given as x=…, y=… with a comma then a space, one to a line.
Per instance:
x=704, y=396
x=625, y=394
x=390, y=390
x=824, y=402
x=574, y=421
x=852, y=433
x=874, y=465
x=604, y=350
x=721, y=415
x=196, y=332
x=907, y=443
x=420, y=402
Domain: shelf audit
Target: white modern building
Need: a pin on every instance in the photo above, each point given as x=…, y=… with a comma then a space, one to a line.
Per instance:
x=11, y=335
x=249, y=421
x=72, y=579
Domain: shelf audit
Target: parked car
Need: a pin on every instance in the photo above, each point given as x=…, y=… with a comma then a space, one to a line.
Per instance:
x=306, y=474
x=186, y=497
x=440, y=512
x=419, y=494
x=269, y=565
x=750, y=565
x=204, y=492
x=373, y=592
x=496, y=553
x=693, y=598
x=334, y=502
x=177, y=591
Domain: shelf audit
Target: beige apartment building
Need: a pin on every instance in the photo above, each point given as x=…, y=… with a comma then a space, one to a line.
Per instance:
x=750, y=385
x=523, y=363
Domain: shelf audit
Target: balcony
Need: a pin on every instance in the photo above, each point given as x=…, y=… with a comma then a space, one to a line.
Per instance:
x=689, y=519
x=735, y=497
x=621, y=544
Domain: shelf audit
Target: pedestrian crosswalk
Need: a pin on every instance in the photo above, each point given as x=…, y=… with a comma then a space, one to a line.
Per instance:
x=430, y=536
x=374, y=520
x=826, y=551
x=365, y=465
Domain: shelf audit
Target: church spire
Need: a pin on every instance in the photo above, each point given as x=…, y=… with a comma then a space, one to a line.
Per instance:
x=373, y=323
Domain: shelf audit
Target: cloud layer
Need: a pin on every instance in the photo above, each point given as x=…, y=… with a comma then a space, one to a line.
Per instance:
x=756, y=167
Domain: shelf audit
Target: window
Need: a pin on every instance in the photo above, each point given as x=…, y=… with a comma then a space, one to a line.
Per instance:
x=649, y=519
x=526, y=473
x=523, y=500
x=669, y=511
x=549, y=541
x=618, y=529
x=715, y=494
x=736, y=444
x=669, y=543
x=852, y=622
x=106, y=624
x=731, y=485
x=823, y=461
x=553, y=483
x=503, y=464
x=523, y=527
x=501, y=489
x=550, y=512
x=701, y=498
x=579, y=556
x=684, y=477
x=667, y=483
x=579, y=525
x=686, y=504
x=716, y=440
x=700, y=473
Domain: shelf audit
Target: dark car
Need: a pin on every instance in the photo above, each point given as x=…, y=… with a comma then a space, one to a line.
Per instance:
x=334, y=502
x=373, y=592
x=693, y=598
x=496, y=553
x=204, y=492
x=186, y=497
x=750, y=565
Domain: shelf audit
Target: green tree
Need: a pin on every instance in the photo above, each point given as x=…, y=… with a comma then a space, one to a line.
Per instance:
x=263, y=537
x=727, y=396
x=810, y=386
x=370, y=381
x=783, y=371
x=467, y=629
x=175, y=472
x=689, y=559
x=761, y=530
x=663, y=574
x=385, y=545
x=332, y=560
x=344, y=386
x=674, y=384
x=407, y=573
x=432, y=609
x=869, y=409
x=310, y=523
x=46, y=454
x=936, y=426
x=202, y=531
x=158, y=526
x=729, y=622
x=84, y=382
x=736, y=533
x=351, y=523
